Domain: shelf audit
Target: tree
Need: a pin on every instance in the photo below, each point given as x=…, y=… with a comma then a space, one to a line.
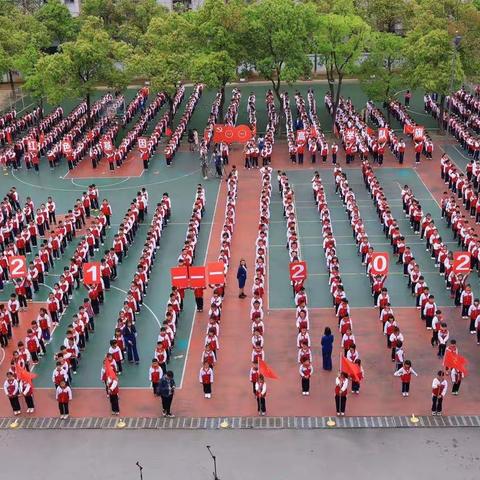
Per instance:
x=433, y=64
x=341, y=40
x=93, y=58
x=380, y=73
x=218, y=47
x=164, y=53
x=387, y=15
x=58, y=21
x=278, y=39
x=18, y=31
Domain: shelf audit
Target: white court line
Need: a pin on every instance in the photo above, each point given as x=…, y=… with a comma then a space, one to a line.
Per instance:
x=3, y=355
x=97, y=178
x=195, y=311
x=143, y=305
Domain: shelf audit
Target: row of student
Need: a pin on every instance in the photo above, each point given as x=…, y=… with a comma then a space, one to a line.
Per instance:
x=9, y=131
x=174, y=141
x=340, y=303
x=123, y=344
x=424, y=146
x=425, y=300
x=73, y=130
x=161, y=126
x=166, y=337
x=257, y=316
x=58, y=299
x=118, y=155
x=213, y=327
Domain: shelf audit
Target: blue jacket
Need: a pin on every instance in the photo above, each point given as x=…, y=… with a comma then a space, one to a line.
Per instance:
x=327, y=343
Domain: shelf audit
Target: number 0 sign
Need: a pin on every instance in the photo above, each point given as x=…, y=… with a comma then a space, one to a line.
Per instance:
x=91, y=273
x=461, y=262
x=17, y=266
x=380, y=261
x=298, y=271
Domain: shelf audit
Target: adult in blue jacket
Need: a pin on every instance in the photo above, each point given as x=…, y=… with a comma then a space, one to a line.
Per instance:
x=242, y=277
x=327, y=348
x=129, y=333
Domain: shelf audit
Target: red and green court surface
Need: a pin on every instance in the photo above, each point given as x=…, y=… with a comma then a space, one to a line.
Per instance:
x=232, y=394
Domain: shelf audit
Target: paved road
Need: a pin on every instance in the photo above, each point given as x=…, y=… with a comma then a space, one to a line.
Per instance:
x=242, y=455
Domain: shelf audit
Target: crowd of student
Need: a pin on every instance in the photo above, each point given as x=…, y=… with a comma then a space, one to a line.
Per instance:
x=161, y=379
x=174, y=142
x=209, y=355
x=10, y=126
x=162, y=126
x=423, y=225
x=257, y=317
x=118, y=155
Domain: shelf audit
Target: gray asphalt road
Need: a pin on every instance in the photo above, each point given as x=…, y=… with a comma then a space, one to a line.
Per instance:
x=242, y=455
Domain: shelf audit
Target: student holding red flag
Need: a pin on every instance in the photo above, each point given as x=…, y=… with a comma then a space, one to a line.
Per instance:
x=261, y=394
x=439, y=390
x=25, y=386
x=341, y=389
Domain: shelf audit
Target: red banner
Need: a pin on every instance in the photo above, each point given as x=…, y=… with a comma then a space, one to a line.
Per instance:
x=179, y=277
x=216, y=273
x=243, y=133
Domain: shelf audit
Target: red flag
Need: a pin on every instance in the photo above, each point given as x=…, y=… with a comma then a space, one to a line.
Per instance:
x=25, y=376
x=109, y=371
x=266, y=371
x=456, y=361
x=351, y=368
x=168, y=132
x=408, y=129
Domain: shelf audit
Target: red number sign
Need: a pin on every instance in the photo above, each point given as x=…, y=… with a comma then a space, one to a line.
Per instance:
x=91, y=273
x=216, y=273
x=383, y=135
x=66, y=147
x=461, y=262
x=107, y=146
x=197, y=277
x=349, y=134
x=379, y=263
x=32, y=145
x=418, y=133
x=142, y=144
x=179, y=277
x=298, y=271
x=17, y=266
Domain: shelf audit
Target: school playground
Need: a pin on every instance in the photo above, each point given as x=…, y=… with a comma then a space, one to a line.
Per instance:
x=232, y=391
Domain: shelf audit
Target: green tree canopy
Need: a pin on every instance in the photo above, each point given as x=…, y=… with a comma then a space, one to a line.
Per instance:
x=93, y=58
x=57, y=20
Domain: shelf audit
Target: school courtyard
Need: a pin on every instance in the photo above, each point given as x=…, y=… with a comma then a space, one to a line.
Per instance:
x=296, y=419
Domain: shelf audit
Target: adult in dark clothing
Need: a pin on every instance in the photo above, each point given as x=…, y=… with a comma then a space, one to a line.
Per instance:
x=327, y=348
x=167, y=390
x=129, y=333
x=242, y=277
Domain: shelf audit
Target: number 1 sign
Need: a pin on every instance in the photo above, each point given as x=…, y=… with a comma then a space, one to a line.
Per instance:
x=91, y=273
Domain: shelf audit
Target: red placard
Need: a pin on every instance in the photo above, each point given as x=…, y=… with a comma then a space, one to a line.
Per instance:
x=349, y=134
x=383, y=135
x=418, y=133
x=179, y=277
x=198, y=277
x=107, y=146
x=461, y=262
x=298, y=271
x=91, y=273
x=66, y=147
x=228, y=133
x=32, y=145
x=143, y=144
x=218, y=132
x=379, y=263
x=408, y=129
x=216, y=273
x=301, y=136
x=17, y=266
x=242, y=133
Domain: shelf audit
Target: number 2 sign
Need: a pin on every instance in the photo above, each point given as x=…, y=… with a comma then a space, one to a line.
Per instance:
x=298, y=271
x=17, y=266
x=379, y=263
x=91, y=273
x=461, y=262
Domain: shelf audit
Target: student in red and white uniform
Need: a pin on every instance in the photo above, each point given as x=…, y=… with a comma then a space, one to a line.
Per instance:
x=456, y=376
x=439, y=390
x=306, y=371
x=11, y=389
x=63, y=395
x=466, y=300
x=155, y=374
x=113, y=391
x=26, y=390
x=206, y=379
x=341, y=391
x=261, y=394
x=405, y=374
